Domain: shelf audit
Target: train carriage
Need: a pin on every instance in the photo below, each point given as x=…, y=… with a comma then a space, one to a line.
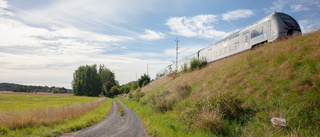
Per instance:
x=268, y=29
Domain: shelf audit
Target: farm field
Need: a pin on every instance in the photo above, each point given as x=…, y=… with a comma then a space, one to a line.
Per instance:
x=24, y=101
x=49, y=115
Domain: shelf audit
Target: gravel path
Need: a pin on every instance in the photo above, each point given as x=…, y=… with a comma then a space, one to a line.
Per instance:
x=114, y=125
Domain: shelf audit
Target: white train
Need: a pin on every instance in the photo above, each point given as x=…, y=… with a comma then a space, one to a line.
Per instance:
x=268, y=29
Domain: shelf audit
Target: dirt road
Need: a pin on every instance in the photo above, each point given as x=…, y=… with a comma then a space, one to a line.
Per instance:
x=114, y=125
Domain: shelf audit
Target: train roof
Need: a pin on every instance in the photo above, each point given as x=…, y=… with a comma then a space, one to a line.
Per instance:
x=245, y=28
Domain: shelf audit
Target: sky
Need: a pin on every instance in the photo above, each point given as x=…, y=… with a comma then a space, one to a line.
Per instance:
x=44, y=42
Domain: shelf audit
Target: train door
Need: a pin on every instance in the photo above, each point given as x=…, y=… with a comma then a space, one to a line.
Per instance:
x=268, y=32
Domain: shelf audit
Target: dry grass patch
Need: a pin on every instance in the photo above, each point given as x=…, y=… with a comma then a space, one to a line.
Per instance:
x=14, y=119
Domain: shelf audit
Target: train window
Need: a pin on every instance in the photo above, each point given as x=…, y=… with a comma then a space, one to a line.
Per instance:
x=244, y=33
x=237, y=45
x=233, y=47
x=223, y=51
x=227, y=49
x=288, y=20
x=257, y=32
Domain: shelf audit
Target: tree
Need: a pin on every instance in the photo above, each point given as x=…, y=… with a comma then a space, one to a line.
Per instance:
x=144, y=80
x=107, y=79
x=86, y=81
x=56, y=90
x=113, y=91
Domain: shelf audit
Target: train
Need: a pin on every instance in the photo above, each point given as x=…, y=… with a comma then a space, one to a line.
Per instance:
x=268, y=29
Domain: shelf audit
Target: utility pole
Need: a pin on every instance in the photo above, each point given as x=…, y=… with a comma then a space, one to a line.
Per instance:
x=177, y=52
x=147, y=69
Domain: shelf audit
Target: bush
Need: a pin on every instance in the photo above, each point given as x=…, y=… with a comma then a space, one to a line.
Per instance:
x=184, y=67
x=184, y=90
x=197, y=64
x=136, y=97
x=214, y=113
x=130, y=96
x=163, y=105
x=144, y=80
x=4, y=130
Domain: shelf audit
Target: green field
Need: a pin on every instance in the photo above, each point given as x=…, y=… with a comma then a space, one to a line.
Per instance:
x=49, y=115
x=31, y=101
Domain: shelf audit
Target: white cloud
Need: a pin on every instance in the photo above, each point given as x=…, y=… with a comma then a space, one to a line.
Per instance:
x=299, y=7
x=197, y=26
x=309, y=25
x=49, y=56
x=152, y=35
x=4, y=11
x=86, y=14
x=276, y=6
x=237, y=14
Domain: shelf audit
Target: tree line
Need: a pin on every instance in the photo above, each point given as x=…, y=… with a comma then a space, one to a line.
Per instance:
x=25, y=88
x=92, y=81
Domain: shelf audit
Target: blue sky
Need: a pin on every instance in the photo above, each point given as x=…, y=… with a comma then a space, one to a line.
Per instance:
x=44, y=42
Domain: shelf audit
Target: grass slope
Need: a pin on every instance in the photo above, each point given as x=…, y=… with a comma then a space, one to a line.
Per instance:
x=238, y=95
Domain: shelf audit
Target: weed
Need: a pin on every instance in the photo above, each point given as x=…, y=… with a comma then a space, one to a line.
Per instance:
x=163, y=105
x=120, y=109
x=4, y=130
x=197, y=64
x=136, y=97
x=183, y=90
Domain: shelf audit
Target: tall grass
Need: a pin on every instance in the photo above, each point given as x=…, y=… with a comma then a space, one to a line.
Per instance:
x=49, y=115
x=238, y=95
x=46, y=115
x=64, y=127
x=163, y=124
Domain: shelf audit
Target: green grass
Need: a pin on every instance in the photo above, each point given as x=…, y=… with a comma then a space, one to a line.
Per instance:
x=238, y=95
x=159, y=124
x=73, y=125
x=29, y=101
x=56, y=128
x=120, y=109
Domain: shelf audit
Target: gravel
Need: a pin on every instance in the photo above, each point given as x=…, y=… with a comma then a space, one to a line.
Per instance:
x=115, y=125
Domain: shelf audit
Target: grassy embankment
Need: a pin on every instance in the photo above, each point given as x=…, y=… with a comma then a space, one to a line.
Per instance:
x=49, y=115
x=237, y=96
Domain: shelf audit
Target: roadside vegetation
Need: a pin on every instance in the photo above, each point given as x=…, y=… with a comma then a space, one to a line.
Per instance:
x=238, y=95
x=120, y=108
x=49, y=115
x=90, y=81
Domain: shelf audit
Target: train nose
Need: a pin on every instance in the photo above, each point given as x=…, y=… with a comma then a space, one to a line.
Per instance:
x=293, y=32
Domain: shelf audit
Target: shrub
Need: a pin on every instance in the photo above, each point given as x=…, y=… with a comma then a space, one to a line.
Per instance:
x=4, y=130
x=173, y=74
x=184, y=90
x=197, y=64
x=184, y=67
x=163, y=105
x=144, y=80
x=130, y=95
x=214, y=113
x=136, y=97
